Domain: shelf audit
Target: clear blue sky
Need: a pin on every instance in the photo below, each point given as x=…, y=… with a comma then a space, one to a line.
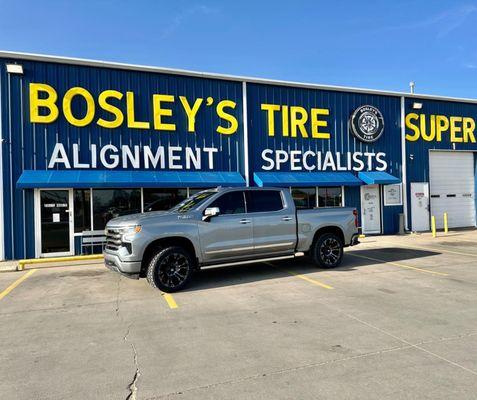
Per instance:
x=372, y=44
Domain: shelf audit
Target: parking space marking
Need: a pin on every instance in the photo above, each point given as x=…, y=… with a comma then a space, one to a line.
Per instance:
x=427, y=271
x=434, y=248
x=16, y=283
x=169, y=300
x=301, y=276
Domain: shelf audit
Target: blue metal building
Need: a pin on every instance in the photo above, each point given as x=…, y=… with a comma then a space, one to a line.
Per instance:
x=85, y=141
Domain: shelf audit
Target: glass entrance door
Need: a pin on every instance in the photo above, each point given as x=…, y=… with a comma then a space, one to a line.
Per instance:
x=56, y=227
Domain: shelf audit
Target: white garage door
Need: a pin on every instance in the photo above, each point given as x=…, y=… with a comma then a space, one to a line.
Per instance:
x=453, y=188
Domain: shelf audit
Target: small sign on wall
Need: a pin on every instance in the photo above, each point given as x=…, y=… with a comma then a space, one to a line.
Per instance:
x=393, y=195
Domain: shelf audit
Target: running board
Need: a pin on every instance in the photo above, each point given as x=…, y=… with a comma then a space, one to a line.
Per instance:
x=254, y=261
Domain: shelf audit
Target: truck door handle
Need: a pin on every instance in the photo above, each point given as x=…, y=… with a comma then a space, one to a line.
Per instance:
x=286, y=218
x=244, y=221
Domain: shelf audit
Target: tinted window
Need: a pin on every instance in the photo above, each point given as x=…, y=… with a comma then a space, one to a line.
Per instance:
x=162, y=199
x=304, y=197
x=82, y=208
x=264, y=200
x=329, y=197
x=230, y=203
x=112, y=203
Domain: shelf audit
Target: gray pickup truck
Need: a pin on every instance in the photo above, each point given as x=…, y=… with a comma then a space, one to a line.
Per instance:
x=225, y=226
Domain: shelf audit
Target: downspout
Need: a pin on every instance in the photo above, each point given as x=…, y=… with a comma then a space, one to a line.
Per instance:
x=2, y=224
x=404, y=163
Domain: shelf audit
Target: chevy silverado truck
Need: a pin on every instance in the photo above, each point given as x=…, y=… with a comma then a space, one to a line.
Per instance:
x=222, y=227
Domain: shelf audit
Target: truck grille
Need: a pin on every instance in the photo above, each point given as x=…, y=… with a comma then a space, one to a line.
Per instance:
x=113, y=239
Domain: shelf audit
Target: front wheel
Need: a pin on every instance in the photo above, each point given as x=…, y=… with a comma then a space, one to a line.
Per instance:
x=328, y=250
x=170, y=269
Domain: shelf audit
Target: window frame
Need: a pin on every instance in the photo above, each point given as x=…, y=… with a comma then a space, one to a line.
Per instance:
x=326, y=187
x=317, y=200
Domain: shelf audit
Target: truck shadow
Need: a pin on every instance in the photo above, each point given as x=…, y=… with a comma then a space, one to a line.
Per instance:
x=216, y=277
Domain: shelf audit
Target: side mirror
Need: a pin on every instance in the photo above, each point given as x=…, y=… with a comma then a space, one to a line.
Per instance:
x=210, y=212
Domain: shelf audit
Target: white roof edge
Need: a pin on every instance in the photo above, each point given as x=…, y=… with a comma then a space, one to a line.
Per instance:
x=174, y=71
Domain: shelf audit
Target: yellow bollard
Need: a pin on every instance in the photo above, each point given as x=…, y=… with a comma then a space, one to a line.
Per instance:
x=433, y=226
x=446, y=228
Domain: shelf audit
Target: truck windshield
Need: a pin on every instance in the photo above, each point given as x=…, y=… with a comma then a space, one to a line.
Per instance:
x=193, y=202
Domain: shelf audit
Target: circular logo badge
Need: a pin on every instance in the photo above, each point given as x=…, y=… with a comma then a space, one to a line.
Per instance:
x=367, y=123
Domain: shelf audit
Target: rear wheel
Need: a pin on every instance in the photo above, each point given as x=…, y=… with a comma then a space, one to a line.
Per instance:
x=327, y=250
x=170, y=269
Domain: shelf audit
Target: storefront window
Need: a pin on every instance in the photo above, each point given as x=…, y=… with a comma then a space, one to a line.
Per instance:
x=112, y=203
x=330, y=197
x=304, y=197
x=82, y=207
x=162, y=199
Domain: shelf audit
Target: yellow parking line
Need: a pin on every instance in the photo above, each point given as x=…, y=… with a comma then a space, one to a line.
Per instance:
x=16, y=283
x=398, y=264
x=169, y=300
x=305, y=278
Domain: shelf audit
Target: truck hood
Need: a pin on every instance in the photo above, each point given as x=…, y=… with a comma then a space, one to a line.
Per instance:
x=149, y=217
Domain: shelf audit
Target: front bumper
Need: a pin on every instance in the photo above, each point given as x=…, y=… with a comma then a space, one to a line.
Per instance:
x=131, y=269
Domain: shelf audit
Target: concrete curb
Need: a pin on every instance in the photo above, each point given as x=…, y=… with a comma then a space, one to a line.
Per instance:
x=8, y=266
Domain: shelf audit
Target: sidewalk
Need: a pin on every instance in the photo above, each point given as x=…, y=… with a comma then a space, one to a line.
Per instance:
x=9, y=266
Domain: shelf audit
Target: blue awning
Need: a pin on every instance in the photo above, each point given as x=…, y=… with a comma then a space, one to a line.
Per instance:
x=126, y=179
x=305, y=179
x=377, y=177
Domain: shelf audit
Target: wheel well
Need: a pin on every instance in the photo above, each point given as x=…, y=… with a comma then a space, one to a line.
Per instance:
x=329, y=229
x=152, y=248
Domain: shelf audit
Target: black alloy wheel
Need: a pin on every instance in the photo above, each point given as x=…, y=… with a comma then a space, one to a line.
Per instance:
x=328, y=251
x=170, y=269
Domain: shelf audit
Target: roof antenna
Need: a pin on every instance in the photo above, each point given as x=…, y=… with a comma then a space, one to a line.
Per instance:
x=412, y=85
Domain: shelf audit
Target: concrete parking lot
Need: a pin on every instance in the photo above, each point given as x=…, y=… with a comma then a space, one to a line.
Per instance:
x=398, y=320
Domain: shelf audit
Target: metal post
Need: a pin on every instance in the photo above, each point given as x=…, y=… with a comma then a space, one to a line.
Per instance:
x=433, y=226
x=446, y=228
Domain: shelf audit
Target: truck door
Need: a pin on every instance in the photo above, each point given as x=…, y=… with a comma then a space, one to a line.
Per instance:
x=229, y=235
x=274, y=225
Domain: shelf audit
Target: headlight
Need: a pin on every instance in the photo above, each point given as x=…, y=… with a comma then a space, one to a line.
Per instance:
x=128, y=232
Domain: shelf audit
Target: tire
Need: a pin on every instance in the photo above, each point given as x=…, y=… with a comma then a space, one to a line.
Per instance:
x=327, y=251
x=170, y=269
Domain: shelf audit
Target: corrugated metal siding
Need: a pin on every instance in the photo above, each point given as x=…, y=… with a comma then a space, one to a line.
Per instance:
x=418, y=152
x=29, y=146
x=341, y=106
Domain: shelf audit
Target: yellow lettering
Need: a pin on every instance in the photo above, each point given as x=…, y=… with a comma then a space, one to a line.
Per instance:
x=455, y=129
x=285, y=129
x=191, y=111
x=468, y=129
x=132, y=123
x=410, y=117
x=228, y=117
x=429, y=137
x=49, y=103
x=316, y=123
x=298, y=118
x=160, y=112
x=118, y=114
x=442, y=124
x=270, y=109
x=68, y=112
